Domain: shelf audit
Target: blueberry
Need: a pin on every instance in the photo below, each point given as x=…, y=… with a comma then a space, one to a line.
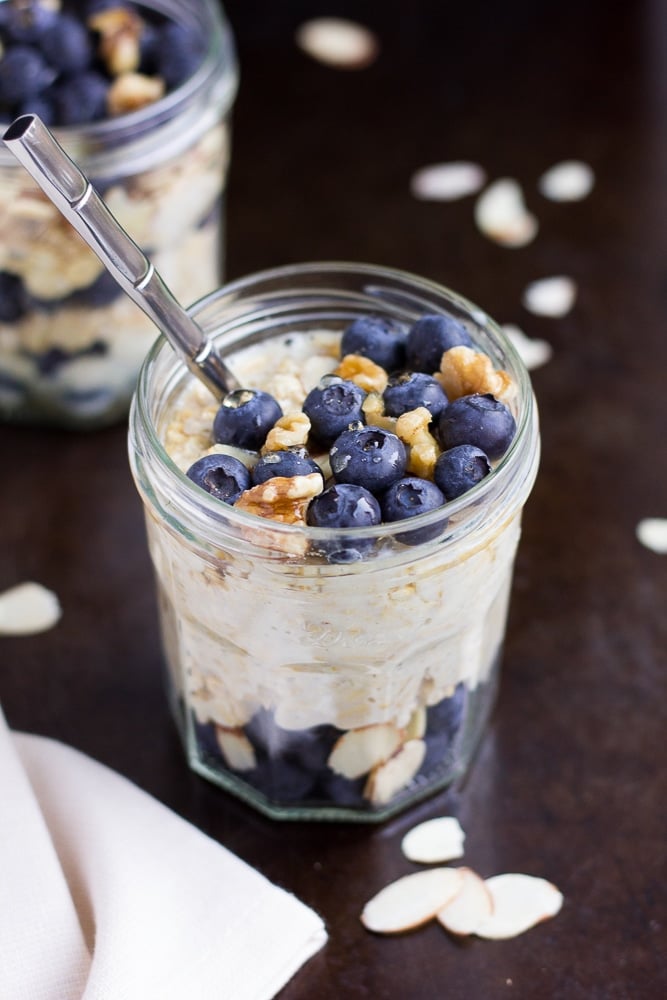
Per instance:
x=480, y=420
x=289, y=762
x=81, y=99
x=381, y=340
x=369, y=457
x=40, y=105
x=409, y=497
x=342, y=791
x=66, y=44
x=332, y=406
x=181, y=51
x=245, y=418
x=13, y=302
x=444, y=726
x=430, y=337
x=409, y=390
x=101, y=292
x=459, y=469
x=23, y=73
x=344, y=506
x=25, y=24
x=292, y=462
x=223, y=476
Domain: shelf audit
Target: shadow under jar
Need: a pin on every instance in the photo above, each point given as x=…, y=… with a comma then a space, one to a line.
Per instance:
x=312, y=688
x=71, y=343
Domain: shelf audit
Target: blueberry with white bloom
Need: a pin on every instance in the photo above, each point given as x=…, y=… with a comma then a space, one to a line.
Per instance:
x=344, y=506
x=382, y=340
x=430, y=337
x=223, y=476
x=368, y=456
x=479, y=419
x=245, y=418
x=288, y=462
x=409, y=390
x=458, y=469
x=332, y=406
x=409, y=497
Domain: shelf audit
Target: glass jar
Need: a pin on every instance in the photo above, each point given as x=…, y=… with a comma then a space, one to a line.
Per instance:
x=71, y=343
x=310, y=688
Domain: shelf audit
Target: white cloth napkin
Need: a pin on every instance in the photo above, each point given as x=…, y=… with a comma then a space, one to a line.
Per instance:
x=105, y=894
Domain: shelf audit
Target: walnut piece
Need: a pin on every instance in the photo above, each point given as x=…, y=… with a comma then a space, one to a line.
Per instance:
x=283, y=498
x=120, y=31
x=132, y=91
x=423, y=450
x=363, y=372
x=290, y=431
x=464, y=371
x=373, y=410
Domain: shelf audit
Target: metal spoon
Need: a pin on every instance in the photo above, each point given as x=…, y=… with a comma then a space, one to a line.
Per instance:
x=37, y=149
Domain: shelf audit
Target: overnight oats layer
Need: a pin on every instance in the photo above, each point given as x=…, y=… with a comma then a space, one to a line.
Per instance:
x=324, y=661
x=139, y=96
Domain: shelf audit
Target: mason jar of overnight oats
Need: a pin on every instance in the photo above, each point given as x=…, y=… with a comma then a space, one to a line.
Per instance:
x=140, y=96
x=326, y=672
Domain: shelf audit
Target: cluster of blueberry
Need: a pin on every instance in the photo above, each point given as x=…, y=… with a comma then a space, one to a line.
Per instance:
x=368, y=463
x=291, y=767
x=51, y=63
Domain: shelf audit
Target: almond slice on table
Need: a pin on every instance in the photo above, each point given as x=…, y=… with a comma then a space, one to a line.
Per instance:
x=652, y=533
x=570, y=180
x=533, y=352
x=519, y=903
x=411, y=901
x=550, y=296
x=27, y=609
x=436, y=840
x=447, y=181
x=471, y=906
x=338, y=42
x=501, y=214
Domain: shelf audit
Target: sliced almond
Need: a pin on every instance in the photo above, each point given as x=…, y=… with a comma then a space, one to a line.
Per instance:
x=501, y=214
x=411, y=901
x=471, y=906
x=338, y=42
x=416, y=726
x=534, y=353
x=436, y=840
x=447, y=181
x=236, y=748
x=550, y=296
x=357, y=751
x=652, y=532
x=519, y=903
x=389, y=778
x=571, y=180
x=27, y=609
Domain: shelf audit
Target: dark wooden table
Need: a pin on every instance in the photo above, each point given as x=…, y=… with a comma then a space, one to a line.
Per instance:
x=571, y=780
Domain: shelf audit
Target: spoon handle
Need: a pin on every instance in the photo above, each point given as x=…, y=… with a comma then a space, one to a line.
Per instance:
x=37, y=149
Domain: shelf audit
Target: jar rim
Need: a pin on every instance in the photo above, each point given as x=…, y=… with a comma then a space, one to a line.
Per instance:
x=213, y=514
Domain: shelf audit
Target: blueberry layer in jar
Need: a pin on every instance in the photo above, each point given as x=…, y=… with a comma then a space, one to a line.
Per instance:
x=140, y=96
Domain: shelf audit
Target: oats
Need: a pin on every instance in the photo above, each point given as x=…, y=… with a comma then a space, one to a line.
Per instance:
x=571, y=180
x=338, y=42
x=389, y=778
x=436, y=840
x=27, y=609
x=411, y=901
x=359, y=750
x=652, y=532
x=550, y=296
x=447, y=181
x=533, y=353
x=519, y=902
x=501, y=214
x=472, y=905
